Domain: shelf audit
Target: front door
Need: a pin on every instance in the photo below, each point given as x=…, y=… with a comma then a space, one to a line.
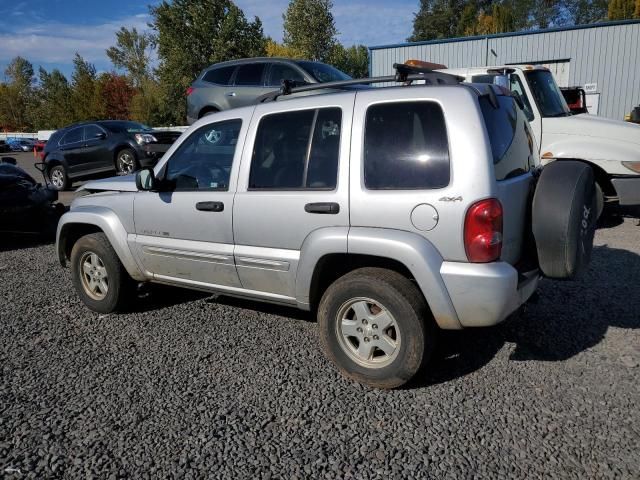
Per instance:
x=294, y=184
x=95, y=152
x=184, y=232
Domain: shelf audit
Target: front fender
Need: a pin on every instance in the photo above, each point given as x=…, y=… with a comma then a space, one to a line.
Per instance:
x=606, y=153
x=108, y=222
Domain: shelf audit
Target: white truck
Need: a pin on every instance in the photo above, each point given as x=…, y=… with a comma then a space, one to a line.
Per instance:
x=611, y=147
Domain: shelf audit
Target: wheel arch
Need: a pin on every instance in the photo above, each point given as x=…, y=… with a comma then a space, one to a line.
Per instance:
x=208, y=109
x=85, y=220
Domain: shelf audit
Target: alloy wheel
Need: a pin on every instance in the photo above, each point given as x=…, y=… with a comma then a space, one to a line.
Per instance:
x=95, y=280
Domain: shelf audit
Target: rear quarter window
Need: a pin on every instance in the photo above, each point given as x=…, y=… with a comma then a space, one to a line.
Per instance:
x=512, y=145
x=406, y=147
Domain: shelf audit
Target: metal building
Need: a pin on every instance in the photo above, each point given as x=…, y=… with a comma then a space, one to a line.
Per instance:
x=602, y=58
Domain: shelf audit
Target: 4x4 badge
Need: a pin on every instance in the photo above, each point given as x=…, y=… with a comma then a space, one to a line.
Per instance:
x=450, y=199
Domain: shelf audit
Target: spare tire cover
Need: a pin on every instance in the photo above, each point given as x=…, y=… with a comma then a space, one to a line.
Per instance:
x=564, y=218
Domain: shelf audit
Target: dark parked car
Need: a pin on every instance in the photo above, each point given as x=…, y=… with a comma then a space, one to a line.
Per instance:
x=100, y=149
x=26, y=206
x=4, y=147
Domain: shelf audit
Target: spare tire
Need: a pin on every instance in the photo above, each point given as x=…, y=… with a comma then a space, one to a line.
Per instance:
x=564, y=217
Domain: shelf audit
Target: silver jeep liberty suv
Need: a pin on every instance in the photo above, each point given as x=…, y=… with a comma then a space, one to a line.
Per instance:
x=389, y=212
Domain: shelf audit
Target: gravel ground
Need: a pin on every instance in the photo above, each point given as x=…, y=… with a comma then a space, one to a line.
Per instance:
x=196, y=386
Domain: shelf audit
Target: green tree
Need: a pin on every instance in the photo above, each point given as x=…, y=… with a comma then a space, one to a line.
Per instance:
x=192, y=34
x=436, y=19
x=17, y=106
x=54, y=100
x=468, y=20
x=309, y=27
x=147, y=103
x=132, y=54
x=353, y=60
x=85, y=91
x=621, y=9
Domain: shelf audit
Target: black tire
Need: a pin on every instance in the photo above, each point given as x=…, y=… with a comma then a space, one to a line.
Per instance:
x=58, y=178
x=599, y=201
x=402, y=299
x=564, y=218
x=120, y=286
x=127, y=161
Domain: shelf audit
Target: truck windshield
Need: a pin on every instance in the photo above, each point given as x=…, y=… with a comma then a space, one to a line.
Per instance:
x=546, y=93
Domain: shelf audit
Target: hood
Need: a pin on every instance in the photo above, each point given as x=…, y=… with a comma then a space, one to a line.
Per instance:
x=593, y=126
x=125, y=183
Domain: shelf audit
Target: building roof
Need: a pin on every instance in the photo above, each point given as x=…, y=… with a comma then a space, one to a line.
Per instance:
x=509, y=34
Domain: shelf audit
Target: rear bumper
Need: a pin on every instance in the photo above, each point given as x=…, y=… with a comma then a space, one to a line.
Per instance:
x=628, y=189
x=485, y=294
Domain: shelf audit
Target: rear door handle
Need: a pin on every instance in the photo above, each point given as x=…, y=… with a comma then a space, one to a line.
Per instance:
x=210, y=206
x=230, y=94
x=326, y=208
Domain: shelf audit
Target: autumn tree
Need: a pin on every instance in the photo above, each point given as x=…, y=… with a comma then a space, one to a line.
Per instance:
x=309, y=28
x=275, y=49
x=192, y=34
x=115, y=93
x=621, y=9
x=132, y=54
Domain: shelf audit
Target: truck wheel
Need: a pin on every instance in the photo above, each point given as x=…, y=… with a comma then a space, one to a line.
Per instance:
x=59, y=178
x=375, y=327
x=564, y=218
x=98, y=276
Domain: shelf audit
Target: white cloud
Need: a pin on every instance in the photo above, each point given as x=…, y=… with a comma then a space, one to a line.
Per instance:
x=58, y=42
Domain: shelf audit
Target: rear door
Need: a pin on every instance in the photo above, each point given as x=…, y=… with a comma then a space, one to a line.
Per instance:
x=248, y=84
x=293, y=181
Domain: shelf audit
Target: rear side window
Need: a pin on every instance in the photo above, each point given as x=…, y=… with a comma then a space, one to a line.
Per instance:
x=250, y=74
x=297, y=150
x=72, y=136
x=220, y=76
x=510, y=137
x=406, y=147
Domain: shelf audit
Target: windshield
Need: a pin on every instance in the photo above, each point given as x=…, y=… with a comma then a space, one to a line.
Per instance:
x=126, y=127
x=546, y=93
x=323, y=73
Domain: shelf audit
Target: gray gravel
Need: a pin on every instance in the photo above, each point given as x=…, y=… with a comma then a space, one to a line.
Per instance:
x=196, y=386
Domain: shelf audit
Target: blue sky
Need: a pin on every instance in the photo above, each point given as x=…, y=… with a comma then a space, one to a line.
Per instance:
x=49, y=32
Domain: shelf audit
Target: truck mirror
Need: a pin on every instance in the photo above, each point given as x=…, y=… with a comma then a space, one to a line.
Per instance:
x=502, y=81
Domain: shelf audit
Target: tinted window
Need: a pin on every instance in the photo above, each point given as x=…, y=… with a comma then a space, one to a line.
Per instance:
x=406, y=147
x=72, y=136
x=322, y=72
x=204, y=160
x=221, y=76
x=90, y=132
x=297, y=150
x=511, y=141
x=547, y=95
x=280, y=71
x=250, y=74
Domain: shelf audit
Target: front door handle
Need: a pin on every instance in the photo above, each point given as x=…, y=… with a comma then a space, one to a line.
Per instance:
x=210, y=206
x=231, y=94
x=326, y=208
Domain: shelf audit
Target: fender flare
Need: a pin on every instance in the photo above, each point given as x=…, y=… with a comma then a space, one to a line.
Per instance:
x=108, y=222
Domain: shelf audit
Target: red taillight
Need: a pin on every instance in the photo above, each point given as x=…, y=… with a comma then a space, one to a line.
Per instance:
x=190, y=91
x=483, y=231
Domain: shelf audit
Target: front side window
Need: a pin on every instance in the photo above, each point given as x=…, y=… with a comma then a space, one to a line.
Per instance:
x=91, y=132
x=204, y=160
x=546, y=93
x=250, y=74
x=72, y=136
x=406, y=147
x=282, y=71
x=297, y=150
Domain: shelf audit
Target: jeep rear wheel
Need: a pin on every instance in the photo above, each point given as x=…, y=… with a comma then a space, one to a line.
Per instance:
x=375, y=327
x=100, y=279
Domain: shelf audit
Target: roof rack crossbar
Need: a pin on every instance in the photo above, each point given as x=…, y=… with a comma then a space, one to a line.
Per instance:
x=430, y=77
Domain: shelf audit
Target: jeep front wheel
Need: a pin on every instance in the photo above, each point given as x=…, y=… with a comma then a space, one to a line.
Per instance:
x=375, y=327
x=100, y=279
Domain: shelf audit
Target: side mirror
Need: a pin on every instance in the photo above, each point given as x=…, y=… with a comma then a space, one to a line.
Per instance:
x=101, y=135
x=502, y=81
x=146, y=180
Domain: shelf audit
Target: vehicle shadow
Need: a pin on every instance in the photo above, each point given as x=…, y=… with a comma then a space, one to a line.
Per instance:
x=567, y=319
x=13, y=241
x=262, y=307
x=157, y=297
x=614, y=215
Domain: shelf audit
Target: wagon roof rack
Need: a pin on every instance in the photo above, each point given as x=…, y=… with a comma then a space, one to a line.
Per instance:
x=406, y=73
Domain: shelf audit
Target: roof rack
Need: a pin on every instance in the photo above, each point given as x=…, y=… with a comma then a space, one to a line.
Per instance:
x=405, y=74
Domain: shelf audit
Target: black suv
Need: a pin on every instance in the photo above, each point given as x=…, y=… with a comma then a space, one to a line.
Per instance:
x=101, y=148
